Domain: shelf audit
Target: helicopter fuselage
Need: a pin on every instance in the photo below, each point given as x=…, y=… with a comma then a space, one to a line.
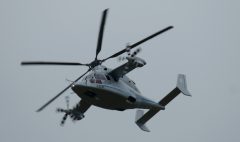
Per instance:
x=111, y=88
x=100, y=89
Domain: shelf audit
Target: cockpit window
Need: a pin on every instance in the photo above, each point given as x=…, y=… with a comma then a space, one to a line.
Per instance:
x=100, y=76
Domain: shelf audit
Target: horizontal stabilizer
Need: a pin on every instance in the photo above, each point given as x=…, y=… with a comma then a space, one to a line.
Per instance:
x=181, y=88
x=142, y=118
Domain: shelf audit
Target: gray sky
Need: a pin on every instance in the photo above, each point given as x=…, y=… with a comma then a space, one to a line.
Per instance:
x=204, y=45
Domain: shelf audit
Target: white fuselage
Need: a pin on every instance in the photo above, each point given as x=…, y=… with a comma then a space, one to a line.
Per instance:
x=100, y=89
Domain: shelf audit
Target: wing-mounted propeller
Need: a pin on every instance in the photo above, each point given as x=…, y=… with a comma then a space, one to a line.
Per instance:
x=67, y=111
x=74, y=113
x=129, y=53
x=95, y=62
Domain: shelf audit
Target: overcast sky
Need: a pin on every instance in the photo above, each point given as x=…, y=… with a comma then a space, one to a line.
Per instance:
x=204, y=45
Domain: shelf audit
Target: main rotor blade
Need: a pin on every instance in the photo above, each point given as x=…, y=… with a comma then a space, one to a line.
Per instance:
x=151, y=36
x=50, y=101
x=140, y=42
x=50, y=63
x=101, y=31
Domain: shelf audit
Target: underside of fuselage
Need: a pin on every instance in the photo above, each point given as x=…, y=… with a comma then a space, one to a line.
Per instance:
x=103, y=98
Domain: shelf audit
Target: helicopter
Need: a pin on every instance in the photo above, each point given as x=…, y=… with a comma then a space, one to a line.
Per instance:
x=111, y=88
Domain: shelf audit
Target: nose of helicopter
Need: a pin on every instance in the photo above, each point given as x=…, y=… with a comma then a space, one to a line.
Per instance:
x=74, y=86
x=77, y=87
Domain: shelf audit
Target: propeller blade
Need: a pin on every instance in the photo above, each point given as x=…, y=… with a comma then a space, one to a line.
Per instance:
x=140, y=42
x=50, y=101
x=60, y=110
x=64, y=119
x=67, y=101
x=51, y=63
x=101, y=31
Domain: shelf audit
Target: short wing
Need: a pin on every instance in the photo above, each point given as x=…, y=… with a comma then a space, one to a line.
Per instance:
x=82, y=106
x=133, y=62
x=121, y=71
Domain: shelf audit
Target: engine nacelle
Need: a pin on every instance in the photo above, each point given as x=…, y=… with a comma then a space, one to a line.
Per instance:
x=76, y=115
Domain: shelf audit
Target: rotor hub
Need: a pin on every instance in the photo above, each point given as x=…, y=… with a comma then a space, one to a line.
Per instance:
x=95, y=63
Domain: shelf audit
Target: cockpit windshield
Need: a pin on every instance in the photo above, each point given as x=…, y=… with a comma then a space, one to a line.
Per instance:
x=100, y=76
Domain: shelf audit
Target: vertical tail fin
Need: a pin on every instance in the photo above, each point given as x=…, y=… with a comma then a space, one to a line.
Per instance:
x=182, y=84
x=139, y=114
